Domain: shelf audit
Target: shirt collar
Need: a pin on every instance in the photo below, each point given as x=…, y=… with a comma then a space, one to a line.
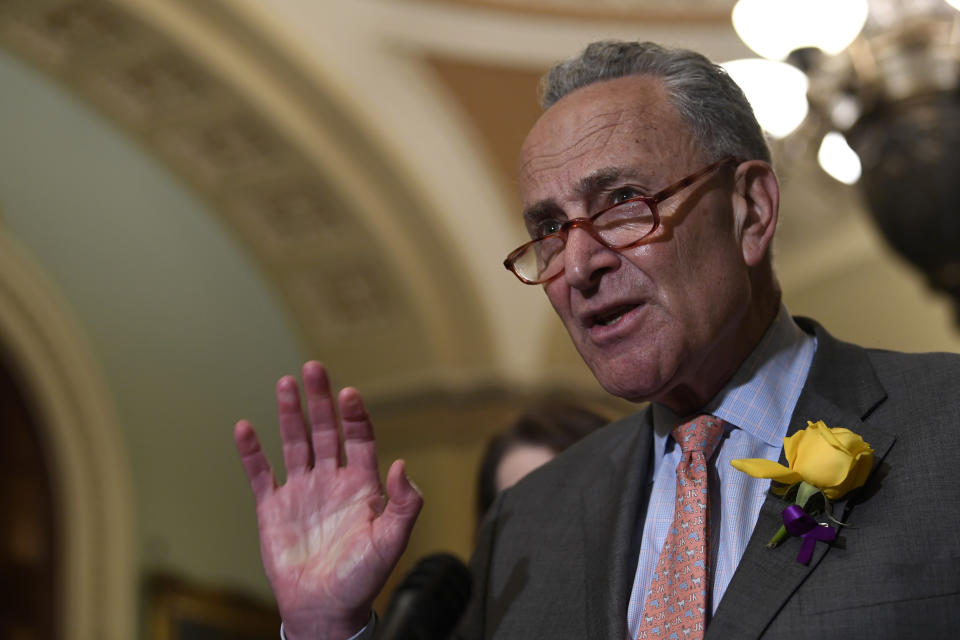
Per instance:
x=762, y=394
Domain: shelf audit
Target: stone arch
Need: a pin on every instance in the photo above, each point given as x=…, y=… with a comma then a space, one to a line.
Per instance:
x=64, y=386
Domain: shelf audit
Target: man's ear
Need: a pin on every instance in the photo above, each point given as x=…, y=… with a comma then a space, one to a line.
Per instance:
x=756, y=201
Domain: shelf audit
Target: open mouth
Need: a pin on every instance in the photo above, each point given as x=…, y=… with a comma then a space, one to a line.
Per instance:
x=611, y=316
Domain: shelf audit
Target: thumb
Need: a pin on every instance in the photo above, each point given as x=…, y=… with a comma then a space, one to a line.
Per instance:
x=392, y=529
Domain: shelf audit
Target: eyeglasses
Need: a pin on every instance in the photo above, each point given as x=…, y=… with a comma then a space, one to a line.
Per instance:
x=621, y=226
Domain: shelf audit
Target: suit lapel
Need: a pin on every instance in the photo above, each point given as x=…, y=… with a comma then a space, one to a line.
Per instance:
x=609, y=505
x=841, y=389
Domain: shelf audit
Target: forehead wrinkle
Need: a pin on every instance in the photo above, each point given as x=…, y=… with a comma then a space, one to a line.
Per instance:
x=579, y=147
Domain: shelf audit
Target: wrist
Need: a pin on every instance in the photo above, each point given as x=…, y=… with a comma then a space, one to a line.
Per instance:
x=351, y=629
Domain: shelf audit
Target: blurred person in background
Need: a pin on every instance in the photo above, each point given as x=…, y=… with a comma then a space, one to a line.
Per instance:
x=534, y=438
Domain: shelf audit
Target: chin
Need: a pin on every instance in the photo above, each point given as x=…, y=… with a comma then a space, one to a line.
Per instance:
x=636, y=367
x=637, y=374
x=639, y=387
x=630, y=394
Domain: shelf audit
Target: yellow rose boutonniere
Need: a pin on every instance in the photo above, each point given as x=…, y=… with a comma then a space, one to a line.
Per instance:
x=823, y=462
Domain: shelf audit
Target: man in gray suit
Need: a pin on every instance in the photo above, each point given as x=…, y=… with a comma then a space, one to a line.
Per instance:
x=651, y=205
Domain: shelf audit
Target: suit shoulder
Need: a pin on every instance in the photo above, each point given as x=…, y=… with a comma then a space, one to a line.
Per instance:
x=940, y=358
x=916, y=371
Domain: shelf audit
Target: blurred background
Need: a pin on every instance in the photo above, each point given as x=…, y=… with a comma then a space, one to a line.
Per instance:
x=198, y=195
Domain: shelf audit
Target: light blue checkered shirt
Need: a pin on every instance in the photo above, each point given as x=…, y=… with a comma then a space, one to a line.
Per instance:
x=757, y=403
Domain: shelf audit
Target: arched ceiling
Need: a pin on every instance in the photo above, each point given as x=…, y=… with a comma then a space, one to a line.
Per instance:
x=363, y=152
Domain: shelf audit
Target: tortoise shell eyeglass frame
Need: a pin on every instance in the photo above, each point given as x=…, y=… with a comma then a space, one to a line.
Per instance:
x=587, y=223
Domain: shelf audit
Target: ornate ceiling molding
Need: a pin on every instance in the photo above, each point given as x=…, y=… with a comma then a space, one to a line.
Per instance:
x=683, y=11
x=330, y=220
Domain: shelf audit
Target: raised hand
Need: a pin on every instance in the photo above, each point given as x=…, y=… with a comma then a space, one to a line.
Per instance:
x=329, y=537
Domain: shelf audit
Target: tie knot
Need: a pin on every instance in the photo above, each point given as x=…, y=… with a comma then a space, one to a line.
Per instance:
x=700, y=434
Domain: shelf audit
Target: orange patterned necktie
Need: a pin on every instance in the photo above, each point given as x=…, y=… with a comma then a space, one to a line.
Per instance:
x=676, y=604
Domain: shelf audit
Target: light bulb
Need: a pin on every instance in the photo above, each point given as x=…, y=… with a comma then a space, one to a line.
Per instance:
x=838, y=159
x=777, y=92
x=774, y=28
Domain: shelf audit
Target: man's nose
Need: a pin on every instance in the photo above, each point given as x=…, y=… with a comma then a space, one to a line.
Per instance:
x=586, y=259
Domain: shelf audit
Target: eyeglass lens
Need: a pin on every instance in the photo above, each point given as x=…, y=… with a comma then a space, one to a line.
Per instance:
x=616, y=227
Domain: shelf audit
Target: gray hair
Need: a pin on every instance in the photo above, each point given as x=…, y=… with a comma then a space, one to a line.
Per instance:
x=705, y=97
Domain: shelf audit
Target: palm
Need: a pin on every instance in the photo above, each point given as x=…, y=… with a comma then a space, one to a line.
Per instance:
x=313, y=525
x=328, y=537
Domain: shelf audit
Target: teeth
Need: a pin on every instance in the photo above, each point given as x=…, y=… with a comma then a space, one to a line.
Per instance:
x=612, y=316
x=608, y=320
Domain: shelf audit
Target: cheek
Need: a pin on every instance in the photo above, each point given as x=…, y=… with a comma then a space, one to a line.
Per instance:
x=696, y=286
x=667, y=271
x=559, y=297
x=707, y=269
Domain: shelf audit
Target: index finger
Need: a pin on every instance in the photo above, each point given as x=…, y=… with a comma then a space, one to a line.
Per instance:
x=255, y=463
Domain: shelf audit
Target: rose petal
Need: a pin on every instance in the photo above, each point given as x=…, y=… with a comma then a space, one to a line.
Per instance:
x=830, y=436
x=821, y=461
x=791, y=444
x=851, y=441
x=762, y=468
x=859, y=472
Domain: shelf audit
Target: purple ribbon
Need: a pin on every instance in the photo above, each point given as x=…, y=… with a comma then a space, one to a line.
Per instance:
x=799, y=523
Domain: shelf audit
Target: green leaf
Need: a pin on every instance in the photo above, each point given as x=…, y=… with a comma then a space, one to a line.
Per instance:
x=804, y=493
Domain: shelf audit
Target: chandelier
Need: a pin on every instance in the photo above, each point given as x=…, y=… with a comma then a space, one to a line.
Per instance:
x=878, y=81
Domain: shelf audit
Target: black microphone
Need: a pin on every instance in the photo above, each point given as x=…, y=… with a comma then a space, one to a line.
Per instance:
x=429, y=601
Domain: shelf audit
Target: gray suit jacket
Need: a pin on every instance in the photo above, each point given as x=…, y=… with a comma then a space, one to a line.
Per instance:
x=557, y=554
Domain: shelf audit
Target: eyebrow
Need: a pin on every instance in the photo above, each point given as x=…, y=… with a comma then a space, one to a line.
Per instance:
x=598, y=181
x=586, y=187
